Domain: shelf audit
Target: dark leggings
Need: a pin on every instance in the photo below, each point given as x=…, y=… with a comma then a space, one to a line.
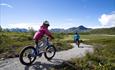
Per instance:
x=36, y=42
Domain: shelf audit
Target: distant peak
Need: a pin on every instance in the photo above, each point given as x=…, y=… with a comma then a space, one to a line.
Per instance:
x=82, y=27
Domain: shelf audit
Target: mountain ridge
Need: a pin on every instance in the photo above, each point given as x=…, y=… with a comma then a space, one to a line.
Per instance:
x=80, y=28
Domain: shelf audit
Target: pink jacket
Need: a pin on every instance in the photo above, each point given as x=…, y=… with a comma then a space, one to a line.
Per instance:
x=39, y=34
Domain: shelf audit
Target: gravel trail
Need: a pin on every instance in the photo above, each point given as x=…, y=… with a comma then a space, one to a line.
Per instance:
x=42, y=63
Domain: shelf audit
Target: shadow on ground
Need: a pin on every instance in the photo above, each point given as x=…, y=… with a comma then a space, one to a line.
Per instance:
x=45, y=66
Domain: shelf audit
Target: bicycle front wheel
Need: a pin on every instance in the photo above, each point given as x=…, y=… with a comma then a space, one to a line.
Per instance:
x=28, y=55
x=50, y=52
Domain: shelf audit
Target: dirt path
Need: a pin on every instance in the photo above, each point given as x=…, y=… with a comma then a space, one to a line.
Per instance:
x=42, y=63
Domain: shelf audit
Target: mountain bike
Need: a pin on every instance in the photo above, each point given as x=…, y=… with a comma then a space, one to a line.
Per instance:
x=29, y=53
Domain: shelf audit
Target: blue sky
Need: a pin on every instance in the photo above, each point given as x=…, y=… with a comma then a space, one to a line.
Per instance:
x=60, y=13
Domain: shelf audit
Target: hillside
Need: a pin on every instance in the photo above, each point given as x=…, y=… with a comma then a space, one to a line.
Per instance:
x=71, y=30
x=103, y=31
x=85, y=30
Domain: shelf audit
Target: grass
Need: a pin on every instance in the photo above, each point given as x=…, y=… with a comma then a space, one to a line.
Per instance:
x=60, y=42
x=11, y=43
x=103, y=31
x=103, y=57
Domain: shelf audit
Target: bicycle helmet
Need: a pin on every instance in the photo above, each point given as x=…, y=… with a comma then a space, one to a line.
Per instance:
x=46, y=23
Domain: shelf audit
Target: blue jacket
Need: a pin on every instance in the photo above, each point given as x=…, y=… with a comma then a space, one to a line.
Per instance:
x=76, y=37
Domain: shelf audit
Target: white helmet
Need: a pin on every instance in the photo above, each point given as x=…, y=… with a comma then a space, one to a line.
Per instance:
x=46, y=23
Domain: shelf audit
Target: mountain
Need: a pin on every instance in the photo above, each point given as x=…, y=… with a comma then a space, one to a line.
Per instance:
x=73, y=29
x=18, y=30
x=15, y=30
x=57, y=30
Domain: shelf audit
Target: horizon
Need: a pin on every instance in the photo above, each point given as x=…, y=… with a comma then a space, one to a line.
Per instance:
x=58, y=28
x=62, y=14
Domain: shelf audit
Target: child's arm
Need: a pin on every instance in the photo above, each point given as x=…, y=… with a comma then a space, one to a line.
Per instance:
x=74, y=38
x=49, y=34
x=78, y=36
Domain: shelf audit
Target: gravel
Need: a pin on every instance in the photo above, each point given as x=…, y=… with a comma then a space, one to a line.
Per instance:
x=43, y=64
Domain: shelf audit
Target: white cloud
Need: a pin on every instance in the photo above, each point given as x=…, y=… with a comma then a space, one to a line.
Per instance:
x=7, y=5
x=95, y=27
x=26, y=25
x=107, y=20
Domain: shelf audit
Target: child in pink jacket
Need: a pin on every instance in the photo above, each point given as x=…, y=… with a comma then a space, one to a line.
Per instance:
x=42, y=31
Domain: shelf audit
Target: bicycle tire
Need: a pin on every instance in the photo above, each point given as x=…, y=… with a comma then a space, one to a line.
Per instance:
x=45, y=54
x=21, y=55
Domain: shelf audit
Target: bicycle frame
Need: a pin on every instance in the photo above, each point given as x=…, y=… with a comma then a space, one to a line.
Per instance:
x=37, y=51
x=44, y=43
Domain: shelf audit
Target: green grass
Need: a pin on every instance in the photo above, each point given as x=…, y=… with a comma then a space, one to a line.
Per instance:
x=13, y=42
x=103, y=57
x=103, y=31
x=60, y=42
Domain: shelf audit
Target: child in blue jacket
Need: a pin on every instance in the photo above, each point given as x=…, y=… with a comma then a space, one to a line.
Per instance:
x=76, y=39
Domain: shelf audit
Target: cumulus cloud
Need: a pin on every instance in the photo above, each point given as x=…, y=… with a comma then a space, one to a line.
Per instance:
x=7, y=5
x=107, y=19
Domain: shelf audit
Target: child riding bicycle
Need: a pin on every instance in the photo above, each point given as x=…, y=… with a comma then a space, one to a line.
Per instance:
x=76, y=39
x=29, y=53
x=41, y=32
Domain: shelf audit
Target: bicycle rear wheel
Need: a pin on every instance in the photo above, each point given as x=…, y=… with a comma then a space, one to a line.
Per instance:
x=28, y=55
x=50, y=52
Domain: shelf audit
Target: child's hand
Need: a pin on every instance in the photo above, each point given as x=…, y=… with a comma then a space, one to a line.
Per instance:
x=51, y=38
